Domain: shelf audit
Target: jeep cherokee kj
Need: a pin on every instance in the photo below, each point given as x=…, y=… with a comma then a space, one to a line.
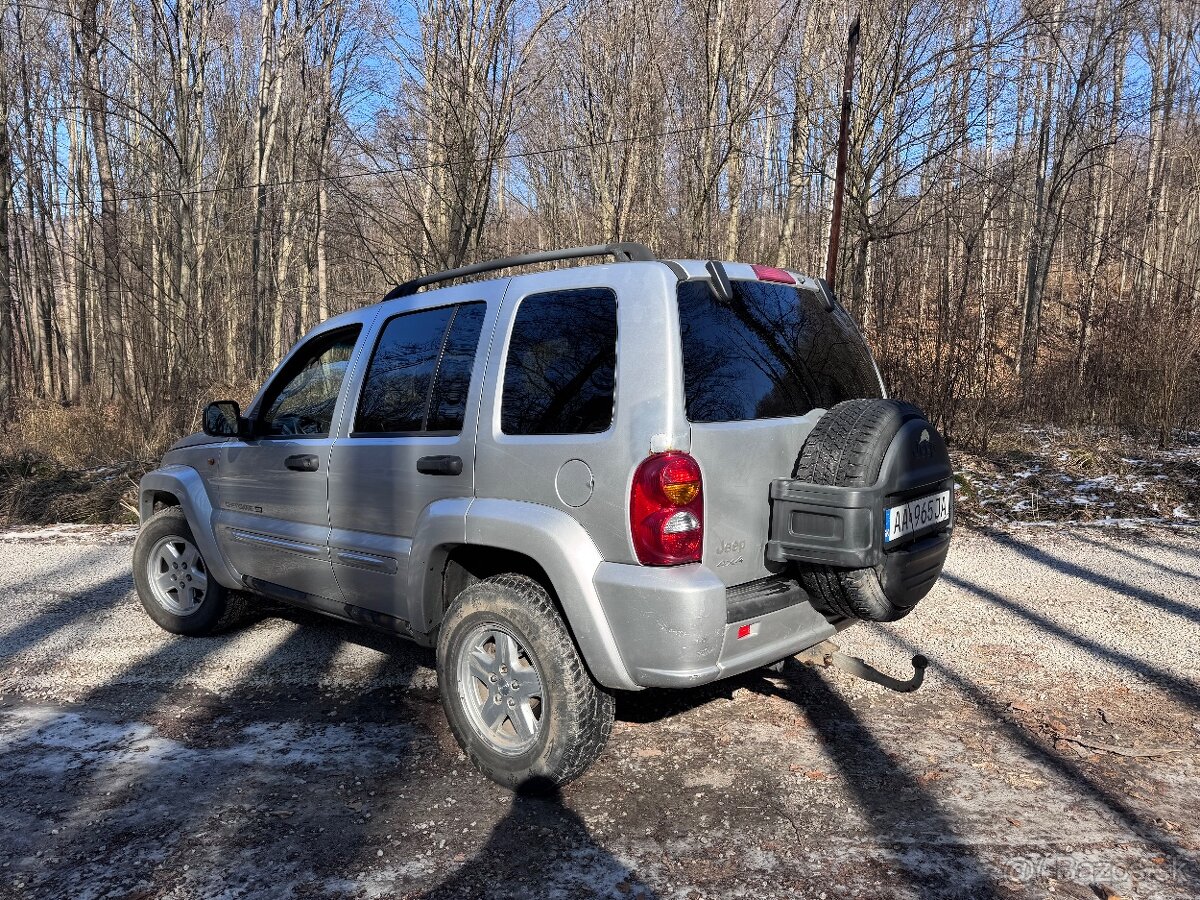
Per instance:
x=645, y=473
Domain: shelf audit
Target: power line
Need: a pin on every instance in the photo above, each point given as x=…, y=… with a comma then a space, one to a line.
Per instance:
x=398, y=170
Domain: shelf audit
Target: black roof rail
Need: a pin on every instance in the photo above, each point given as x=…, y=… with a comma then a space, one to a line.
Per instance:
x=622, y=252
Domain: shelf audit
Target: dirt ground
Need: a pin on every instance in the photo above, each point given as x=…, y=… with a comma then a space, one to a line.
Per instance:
x=1052, y=751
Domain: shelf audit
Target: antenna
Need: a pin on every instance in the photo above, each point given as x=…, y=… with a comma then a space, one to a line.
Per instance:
x=839, y=178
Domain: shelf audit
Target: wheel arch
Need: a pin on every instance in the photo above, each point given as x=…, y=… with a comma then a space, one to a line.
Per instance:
x=182, y=486
x=548, y=546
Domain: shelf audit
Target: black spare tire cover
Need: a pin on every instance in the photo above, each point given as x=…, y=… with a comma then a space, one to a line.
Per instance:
x=889, y=445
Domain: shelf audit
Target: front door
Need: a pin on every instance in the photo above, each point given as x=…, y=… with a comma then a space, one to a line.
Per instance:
x=273, y=488
x=409, y=442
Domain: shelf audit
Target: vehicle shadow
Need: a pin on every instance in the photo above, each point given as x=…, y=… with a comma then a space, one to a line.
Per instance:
x=541, y=848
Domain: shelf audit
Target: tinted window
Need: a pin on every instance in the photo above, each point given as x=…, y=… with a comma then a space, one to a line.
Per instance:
x=448, y=403
x=303, y=397
x=421, y=368
x=773, y=351
x=562, y=358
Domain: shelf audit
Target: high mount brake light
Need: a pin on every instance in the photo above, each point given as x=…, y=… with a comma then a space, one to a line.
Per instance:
x=666, y=510
x=770, y=273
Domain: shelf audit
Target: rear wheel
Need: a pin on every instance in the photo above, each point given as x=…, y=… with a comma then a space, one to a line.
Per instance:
x=516, y=694
x=173, y=581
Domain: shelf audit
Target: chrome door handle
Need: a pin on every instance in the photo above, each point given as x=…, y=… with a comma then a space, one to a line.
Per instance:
x=302, y=462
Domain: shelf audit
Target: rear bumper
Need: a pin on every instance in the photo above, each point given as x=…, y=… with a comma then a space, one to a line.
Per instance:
x=678, y=627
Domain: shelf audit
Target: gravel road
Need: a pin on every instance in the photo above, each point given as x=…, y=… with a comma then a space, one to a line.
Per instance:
x=1053, y=749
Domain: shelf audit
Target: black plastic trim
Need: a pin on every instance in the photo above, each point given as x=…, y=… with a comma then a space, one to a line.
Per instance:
x=718, y=281
x=843, y=526
x=759, y=598
x=346, y=611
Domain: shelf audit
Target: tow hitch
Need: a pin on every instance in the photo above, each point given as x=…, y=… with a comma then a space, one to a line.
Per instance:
x=827, y=654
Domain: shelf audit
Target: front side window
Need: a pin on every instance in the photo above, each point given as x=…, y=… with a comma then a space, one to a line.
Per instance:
x=420, y=372
x=302, y=400
x=774, y=351
x=560, y=374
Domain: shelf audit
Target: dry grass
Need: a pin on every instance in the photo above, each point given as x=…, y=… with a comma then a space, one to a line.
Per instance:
x=82, y=463
x=85, y=435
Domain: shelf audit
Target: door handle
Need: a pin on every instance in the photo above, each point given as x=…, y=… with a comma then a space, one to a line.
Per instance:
x=302, y=462
x=440, y=465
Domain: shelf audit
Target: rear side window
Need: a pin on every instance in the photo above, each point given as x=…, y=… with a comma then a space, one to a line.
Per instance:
x=773, y=351
x=420, y=372
x=561, y=368
x=448, y=400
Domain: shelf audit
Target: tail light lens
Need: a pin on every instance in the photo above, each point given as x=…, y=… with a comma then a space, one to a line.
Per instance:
x=666, y=510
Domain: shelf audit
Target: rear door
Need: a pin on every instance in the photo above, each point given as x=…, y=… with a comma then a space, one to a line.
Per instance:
x=272, y=488
x=408, y=441
x=758, y=372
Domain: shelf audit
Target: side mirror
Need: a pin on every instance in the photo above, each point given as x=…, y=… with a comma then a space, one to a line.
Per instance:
x=224, y=419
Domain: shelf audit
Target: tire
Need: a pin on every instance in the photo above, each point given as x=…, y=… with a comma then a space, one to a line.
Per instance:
x=536, y=737
x=176, y=604
x=846, y=448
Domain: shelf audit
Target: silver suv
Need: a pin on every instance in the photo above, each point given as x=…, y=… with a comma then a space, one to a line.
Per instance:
x=647, y=473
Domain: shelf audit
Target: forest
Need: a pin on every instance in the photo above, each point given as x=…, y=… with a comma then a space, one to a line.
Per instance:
x=187, y=186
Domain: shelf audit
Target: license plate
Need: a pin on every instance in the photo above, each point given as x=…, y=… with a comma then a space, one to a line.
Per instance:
x=899, y=521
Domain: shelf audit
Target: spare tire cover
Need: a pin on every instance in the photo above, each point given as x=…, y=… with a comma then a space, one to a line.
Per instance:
x=848, y=447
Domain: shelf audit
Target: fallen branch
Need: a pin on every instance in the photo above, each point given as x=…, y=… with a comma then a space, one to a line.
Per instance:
x=1121, y=751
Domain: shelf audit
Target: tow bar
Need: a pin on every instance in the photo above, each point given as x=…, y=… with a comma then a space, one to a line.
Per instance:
x=827, y=654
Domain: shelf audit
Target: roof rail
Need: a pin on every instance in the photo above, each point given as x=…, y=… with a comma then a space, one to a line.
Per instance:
x=622, y=252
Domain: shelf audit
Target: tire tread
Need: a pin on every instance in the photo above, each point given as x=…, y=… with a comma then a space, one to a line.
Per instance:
x=846, y=449
x=588, y=723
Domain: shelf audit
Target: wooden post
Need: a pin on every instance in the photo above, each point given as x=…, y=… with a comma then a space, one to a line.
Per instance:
x=839, y=178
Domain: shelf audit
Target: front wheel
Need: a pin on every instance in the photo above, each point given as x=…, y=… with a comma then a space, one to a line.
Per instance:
x=515, y=691
x=173, y=581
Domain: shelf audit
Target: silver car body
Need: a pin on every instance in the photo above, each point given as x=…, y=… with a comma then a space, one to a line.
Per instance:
x=367, y=537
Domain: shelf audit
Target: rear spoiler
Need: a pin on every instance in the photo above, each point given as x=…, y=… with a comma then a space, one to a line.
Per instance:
x=722, y=288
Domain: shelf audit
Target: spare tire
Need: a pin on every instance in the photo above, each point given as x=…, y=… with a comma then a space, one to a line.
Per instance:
x=848, y=448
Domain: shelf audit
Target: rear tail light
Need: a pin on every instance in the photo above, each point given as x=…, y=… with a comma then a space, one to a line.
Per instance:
x=666, y=510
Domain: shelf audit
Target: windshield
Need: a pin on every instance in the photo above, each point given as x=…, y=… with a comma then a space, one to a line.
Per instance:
x=774, y=351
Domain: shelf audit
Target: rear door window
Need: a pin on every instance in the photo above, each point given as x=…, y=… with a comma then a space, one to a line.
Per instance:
x=774, y=351
x=420, y=372
x=560, y=373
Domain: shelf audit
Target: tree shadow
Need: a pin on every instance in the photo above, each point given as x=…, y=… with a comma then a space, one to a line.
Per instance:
x=1066, y=769
x=127, y=822
x=540, y=848
x=935, y=859
x=1182, y=689
x=69, y=608
x=1126, y=550
x=1058, y=564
